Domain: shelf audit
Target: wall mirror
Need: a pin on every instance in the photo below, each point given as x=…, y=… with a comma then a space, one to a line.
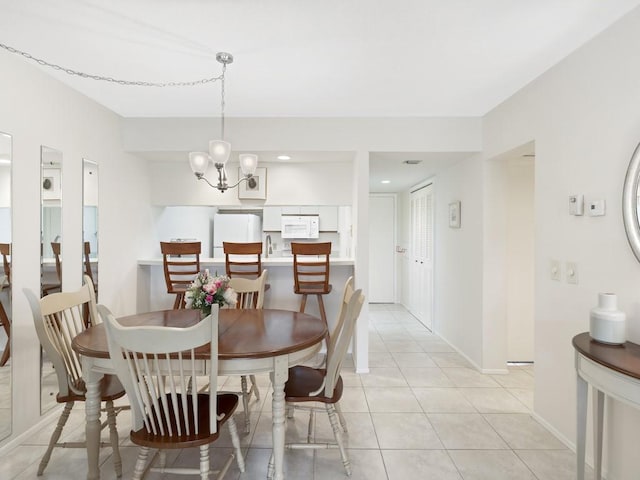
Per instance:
x=90, y=220
x=630, y=198
x=5, y=285
x=50, y=249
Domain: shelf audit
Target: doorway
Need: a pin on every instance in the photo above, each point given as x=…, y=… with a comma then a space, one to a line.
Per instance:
x=509, y=244
x=520, y=258
x=382, y=262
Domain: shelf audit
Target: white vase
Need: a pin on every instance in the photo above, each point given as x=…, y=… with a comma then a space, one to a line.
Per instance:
x=607, y=324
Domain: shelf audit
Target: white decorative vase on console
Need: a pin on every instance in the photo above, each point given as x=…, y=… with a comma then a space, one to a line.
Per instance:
x=607, y=324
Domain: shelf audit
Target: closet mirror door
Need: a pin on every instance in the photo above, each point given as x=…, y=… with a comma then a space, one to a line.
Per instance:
x=90, y=221
x=5, y=285
x=51, y=249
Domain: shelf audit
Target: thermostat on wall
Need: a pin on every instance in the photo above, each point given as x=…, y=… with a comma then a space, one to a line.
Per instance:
x=576, y=204
x=597, y=208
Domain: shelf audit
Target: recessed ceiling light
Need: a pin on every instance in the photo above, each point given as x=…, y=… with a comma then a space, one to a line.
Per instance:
x=283, y=157
x=385, y=181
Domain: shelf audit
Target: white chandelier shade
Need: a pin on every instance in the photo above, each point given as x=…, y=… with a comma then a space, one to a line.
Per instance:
x=248, y=163
x=219, y=150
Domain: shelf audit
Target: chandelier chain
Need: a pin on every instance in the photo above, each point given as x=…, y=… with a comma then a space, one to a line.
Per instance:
x=135, y=83
x=222, y=103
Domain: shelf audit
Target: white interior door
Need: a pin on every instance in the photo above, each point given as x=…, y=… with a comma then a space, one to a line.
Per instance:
x=382, y=271
x=421, y=288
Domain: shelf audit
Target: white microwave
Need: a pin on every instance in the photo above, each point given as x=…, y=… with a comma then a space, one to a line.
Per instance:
x=300, y=226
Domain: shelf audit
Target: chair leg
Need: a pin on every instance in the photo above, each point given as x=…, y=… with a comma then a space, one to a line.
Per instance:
x=139, y=469
x=338, y=435
x=323, y=314
x=254, y=387
x=4, y=319
x=55, y=436
x=303, y=303
x=235, y=440
x=177, y=304
x=271, y=469
x=245, y=404
x=312, y=426
x=343, y=422
x=6, y=353
x=113, y=436
x=204, y=462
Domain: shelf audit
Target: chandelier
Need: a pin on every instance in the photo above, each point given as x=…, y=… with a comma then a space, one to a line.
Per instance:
x=220, y=150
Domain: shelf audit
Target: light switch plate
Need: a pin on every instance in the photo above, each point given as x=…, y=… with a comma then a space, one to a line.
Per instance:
x=572, y=272
x=555, y=270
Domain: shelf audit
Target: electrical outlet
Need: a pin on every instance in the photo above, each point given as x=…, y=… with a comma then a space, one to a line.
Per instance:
x=555, y=270
x=572, y=272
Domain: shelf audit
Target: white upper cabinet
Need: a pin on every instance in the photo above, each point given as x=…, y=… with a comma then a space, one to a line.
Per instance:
x=271, y=219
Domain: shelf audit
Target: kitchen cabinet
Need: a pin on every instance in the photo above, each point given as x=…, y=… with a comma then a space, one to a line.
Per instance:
x=328, y=218
x=271, y=219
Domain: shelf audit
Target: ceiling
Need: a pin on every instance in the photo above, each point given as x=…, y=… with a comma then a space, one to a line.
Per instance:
x=333, y=58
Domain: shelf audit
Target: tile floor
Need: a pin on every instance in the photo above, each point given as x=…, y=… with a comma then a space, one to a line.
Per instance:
x=421, y=412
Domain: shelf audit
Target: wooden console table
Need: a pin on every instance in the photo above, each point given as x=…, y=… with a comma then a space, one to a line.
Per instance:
x=612, y=370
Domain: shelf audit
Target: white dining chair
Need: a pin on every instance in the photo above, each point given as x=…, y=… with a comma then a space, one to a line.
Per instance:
x=159, y=370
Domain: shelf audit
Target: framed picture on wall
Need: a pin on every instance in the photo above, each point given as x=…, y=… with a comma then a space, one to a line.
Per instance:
x=454, y=214
x=255, y=187
x=51, y=184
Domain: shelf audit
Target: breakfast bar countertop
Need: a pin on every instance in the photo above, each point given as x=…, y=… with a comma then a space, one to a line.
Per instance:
x=266, y=262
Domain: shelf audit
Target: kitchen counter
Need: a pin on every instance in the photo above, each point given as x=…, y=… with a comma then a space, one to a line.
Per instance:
x=152, y=291
x=266, y=262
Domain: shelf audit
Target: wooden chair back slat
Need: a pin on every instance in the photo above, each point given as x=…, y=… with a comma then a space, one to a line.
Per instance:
x=243, y=259
x=181, y=263
x=311, y=274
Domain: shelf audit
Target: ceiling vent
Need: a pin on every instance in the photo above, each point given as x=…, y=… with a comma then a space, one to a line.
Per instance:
x=412, y=162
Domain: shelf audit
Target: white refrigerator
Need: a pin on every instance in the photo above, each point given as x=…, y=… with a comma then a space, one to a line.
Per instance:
x=235, y=227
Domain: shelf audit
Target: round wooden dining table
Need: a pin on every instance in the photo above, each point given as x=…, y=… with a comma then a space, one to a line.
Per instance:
x=249, y=342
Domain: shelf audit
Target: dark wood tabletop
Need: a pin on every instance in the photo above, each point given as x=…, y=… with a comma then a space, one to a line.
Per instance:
x=241, y=333
x=623, y=358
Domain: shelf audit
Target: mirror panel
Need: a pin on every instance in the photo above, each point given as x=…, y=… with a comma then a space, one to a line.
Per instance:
x=51, y=265
x=90, y=220
x=630, y=198
x=5, y=285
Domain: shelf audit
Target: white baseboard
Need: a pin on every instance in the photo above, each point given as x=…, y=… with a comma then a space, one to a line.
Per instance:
x=19, y=439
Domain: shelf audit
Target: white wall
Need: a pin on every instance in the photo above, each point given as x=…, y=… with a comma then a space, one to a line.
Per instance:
x=287, y=184
x=520, y=258
x=458, y=259
x=583, y=119
x=38, y=110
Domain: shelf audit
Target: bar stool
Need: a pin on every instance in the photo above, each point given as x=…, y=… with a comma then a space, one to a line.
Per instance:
x=48, y=288
x=5, y=251
x=311, y=275
x=55, y=247
x=243, y=260
x=181, y=262
x=87, y=265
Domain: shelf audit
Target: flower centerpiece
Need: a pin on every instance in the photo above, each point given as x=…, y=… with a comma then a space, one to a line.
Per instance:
x=207, y=290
